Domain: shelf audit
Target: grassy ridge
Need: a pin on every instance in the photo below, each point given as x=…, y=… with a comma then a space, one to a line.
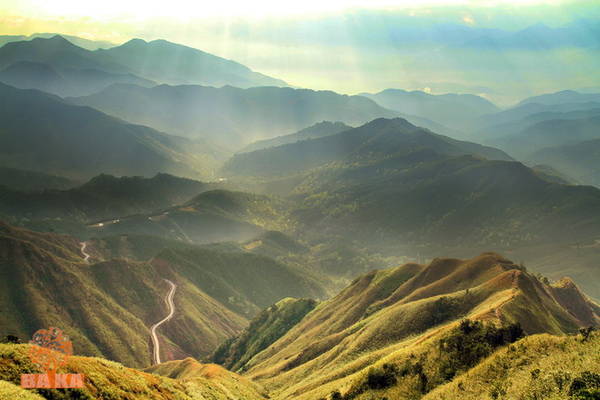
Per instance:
x=391, y=314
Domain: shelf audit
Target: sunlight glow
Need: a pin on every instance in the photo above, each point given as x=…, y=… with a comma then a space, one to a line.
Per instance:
x=234, y=8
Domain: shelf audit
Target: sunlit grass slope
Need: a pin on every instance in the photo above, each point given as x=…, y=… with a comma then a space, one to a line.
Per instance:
x=401, y=313
x=537, y=367
x=110, y=380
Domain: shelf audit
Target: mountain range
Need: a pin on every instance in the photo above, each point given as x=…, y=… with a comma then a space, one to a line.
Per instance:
x=378, y=139
x=57, y=65
x=453, y=110
x=320, y=129
x=88, y=44
x=43, y=133
x=401, y=317
x=203, y=231
x=230, y=116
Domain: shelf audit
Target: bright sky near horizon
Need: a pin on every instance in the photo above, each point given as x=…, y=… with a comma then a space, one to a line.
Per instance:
x=224, y=8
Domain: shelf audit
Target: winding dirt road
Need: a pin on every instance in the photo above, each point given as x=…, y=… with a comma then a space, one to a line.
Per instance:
x=171, y=306
x=86, y=256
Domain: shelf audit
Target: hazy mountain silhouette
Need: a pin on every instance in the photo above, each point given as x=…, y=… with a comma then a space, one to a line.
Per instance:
x=43, y=133
x=136, y=62
x=512, y=122
x=69, y=82
x=88, y=44
x=378, y=139
x=452, y=110
x=228, y=115
x=172, y=63
x=580, y=160
x=563, y=97
x=550, y=133
x=317, y=130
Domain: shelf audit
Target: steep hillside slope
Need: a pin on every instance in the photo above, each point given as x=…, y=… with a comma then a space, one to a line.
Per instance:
x=540, y=366
x=378, y=139
x=264, y=330
x=399, y=316
x=107, y=306
x=231, y=116
x=43, y=133
x=110, y=380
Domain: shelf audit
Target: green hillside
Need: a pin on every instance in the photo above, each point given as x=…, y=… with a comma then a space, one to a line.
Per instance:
x=109, y=304
x=264, y=330
x=457, y=202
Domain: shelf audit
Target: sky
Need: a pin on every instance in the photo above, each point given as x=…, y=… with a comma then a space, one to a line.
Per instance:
x=354, y=46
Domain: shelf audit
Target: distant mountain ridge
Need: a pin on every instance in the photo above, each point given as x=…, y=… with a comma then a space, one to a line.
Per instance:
x=452, y=110
x=172, y=63
x=317, y=130
x=550, y=133
x=231, y=116
x=136, y=62
x=580, y=160
x=379, y=138
x=88, y=44
x=41, y=132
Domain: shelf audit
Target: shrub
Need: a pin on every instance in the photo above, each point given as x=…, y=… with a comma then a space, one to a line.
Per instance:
x=382, y=378
x=586, y=386
x=586, y=332
x=11, y=339
x=470, y=342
